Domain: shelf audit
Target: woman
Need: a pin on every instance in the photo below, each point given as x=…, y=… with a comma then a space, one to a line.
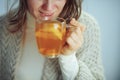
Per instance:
x=19, y=58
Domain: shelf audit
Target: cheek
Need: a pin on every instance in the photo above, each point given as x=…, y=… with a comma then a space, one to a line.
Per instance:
x=61, y=6
x=33, y=7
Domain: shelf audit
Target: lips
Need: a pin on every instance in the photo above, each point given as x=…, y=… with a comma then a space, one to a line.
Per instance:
x=44, y=14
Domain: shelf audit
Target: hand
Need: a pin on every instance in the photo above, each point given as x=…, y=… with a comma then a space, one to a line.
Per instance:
x=74, y=37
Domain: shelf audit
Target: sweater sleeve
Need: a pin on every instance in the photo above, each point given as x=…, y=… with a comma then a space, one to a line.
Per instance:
x=89, y=55
x=69, y=66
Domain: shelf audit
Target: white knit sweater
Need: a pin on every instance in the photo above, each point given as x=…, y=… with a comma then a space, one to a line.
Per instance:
x=88, y=56
x=32, y=62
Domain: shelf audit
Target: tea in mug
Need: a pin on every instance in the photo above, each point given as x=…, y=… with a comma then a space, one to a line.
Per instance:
x=50, y=36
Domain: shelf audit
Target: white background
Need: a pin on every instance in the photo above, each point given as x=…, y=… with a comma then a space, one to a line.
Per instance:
x=107, y=13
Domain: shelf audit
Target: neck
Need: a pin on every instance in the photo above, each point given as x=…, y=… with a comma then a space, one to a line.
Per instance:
x=30, y=21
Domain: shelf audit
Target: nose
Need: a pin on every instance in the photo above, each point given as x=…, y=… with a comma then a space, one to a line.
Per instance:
x=48, y=5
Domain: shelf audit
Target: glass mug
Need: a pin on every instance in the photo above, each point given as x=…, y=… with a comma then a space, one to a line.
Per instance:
x=50, y=36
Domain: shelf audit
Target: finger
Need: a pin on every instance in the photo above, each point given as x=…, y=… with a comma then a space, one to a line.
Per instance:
x=77, y=24
x=74, y=22
x=79, y=36
x=75, y=37
x=75, y=34
x=71, y=43
x=70, y=27
x=78, y=32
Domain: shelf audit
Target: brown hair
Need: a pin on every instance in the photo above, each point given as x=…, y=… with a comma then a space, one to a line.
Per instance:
x=72, y=9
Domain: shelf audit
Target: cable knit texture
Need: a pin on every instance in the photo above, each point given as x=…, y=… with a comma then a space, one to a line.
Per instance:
x=88, y=56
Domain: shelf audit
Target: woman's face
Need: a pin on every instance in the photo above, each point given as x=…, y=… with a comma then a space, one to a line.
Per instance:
x=45, y=8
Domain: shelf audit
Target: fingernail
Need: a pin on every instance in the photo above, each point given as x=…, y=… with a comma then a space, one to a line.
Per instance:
x=72, y=21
